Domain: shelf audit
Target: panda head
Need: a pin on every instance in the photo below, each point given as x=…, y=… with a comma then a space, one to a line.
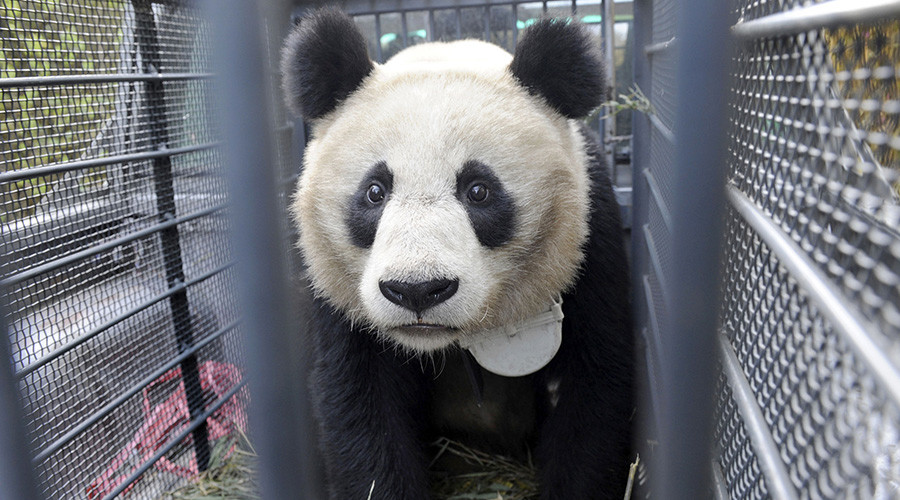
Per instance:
x=444, y=192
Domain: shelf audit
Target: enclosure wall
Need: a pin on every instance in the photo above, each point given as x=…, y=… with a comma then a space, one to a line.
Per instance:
x=118, y=272
x=807, y=393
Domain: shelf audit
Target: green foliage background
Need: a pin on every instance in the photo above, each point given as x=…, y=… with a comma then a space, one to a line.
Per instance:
x=47, y=124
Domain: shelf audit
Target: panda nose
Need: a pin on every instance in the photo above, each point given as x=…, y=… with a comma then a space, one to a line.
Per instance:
x=418, y=297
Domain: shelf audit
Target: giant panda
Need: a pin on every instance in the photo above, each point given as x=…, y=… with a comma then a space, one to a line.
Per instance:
x=465, y=252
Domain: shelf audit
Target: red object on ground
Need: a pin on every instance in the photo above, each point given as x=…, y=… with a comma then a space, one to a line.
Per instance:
x=170, y=417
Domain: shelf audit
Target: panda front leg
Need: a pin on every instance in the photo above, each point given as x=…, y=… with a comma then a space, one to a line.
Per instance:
x=369, y=402
x=585, y=440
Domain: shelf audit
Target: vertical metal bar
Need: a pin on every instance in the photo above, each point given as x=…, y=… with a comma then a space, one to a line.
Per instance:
x=165, y=205
x=487, y=23
x=609, y=121
x=574, y=8
x=458, y=23
x=378, y=55
x=405, y=29
x=16, y=474
x=515, y=25
x=643, y=26
x=545, y=6
x=698, y=202
x=281, y=432
x=431, y=26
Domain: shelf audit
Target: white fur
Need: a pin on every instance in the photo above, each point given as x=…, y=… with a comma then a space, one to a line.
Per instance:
x=425, y=113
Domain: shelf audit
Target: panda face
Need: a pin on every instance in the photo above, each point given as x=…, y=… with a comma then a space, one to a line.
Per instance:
x=441, y=199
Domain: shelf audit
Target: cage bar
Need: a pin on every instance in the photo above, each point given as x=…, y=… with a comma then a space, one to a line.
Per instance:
x=35, y=81
x=858, y=332
x=16, y=474
x=188, y=353
x=282, y=434
x=815, y=16
x=59, y=168
x=681, y=467
x=171, y=242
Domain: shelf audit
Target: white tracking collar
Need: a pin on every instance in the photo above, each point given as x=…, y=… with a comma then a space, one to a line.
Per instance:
x=521, y=349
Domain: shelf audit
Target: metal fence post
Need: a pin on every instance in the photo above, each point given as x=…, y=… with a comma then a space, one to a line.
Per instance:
x=698, y=202
x=609, y=53
x=165, y=206
x=643, y=25
x=280, y=431
x=16, y=474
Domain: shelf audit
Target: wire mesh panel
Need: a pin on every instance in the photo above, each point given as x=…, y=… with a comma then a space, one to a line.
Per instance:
x=812, y=258
x=807, y=405
x=117, y=274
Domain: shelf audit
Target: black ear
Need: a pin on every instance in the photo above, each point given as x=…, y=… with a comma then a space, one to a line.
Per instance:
x=561, y=62
x=324, y=59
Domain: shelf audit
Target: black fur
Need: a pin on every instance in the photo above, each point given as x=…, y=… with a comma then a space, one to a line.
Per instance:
x=371, y=402
x=362, y=216
x=324, y=59
x=493, y=219
x=585, y=444
x=560, y=62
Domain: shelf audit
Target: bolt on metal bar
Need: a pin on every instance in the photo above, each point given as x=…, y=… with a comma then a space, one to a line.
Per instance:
x=859, y=333
x=766, y=451
x=56, y=353
x=58, y=168
x=16, y=474
x=47, y=81
x=822, y=15
x=136, y=388
x=109, y=245
x=200, y=421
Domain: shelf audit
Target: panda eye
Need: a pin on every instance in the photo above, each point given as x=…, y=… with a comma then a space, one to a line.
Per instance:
x=478, y=193
x=375, y=193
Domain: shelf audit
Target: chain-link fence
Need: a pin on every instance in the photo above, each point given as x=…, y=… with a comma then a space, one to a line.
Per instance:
x=810, y=367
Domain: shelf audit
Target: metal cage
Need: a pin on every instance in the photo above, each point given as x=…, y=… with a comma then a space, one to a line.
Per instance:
x=118, y=273
x=807, y=391
x=771, y=148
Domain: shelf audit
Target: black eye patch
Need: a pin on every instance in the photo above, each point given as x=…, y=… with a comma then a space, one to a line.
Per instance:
x=367, y=204
x=490, y=208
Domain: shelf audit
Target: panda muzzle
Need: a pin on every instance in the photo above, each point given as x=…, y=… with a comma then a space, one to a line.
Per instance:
x=419, y=296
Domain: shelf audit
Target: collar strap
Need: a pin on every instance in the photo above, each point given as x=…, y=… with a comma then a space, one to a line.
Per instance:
x=553, y=314
x=520, y=349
